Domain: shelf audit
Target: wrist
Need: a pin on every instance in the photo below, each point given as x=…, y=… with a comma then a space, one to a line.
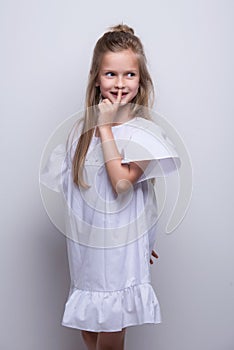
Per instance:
x=104, y=127
x=105, y=132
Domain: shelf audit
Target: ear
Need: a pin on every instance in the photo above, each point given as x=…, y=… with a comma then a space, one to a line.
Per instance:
x=97, y=84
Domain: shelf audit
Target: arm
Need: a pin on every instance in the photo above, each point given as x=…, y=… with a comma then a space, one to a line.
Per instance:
x=122, y=176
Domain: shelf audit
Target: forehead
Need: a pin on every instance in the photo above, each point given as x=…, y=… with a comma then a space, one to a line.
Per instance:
x=126, y=59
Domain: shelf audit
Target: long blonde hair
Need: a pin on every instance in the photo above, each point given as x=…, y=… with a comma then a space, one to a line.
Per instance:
x=118, y=38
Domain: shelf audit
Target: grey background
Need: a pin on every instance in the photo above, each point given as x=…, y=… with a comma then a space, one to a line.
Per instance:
x=46, y=49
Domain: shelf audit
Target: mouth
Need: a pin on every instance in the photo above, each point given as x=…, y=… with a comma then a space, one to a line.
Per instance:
x=115, y=94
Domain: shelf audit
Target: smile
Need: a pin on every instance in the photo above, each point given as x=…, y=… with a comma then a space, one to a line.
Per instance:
x=116, y=94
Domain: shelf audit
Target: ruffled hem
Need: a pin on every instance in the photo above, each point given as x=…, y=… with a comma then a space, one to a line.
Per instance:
x=101, y=311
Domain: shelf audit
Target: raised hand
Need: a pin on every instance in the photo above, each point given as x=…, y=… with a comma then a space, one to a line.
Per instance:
x=108, y=110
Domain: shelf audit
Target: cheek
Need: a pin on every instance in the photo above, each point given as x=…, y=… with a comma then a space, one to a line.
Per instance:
x=135, y=88
x=104, y=85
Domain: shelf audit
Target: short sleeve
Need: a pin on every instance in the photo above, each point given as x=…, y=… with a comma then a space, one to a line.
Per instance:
x=150, y=142
x=59, y=161
x=56, y=165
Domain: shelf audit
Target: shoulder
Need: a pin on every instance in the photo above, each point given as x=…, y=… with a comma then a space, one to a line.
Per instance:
x=140, y=130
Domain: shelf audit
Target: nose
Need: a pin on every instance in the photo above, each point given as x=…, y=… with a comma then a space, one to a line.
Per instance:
x=119, y=82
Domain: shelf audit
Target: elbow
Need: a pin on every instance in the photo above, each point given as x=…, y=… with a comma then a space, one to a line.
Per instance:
x=122, y=186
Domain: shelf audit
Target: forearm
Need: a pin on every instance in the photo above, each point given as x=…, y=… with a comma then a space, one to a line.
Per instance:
x=119, y=174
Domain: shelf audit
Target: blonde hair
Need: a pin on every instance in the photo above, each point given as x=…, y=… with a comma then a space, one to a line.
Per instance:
x=117, y=38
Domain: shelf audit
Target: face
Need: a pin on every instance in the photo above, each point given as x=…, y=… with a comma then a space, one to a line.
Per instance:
x=119, y=70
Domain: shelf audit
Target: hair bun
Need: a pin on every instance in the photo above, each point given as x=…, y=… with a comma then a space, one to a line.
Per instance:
x=122, y=28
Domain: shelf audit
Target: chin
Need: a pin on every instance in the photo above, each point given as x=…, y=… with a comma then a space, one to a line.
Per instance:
x=123, y=103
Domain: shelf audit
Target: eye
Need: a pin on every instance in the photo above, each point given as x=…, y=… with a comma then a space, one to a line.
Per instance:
x=109, y=74
x=131, y=74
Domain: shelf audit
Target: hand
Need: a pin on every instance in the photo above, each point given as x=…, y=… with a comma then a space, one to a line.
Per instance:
x=108, y=110
x=155, y=255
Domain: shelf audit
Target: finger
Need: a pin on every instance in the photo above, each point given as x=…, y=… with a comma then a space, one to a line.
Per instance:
x=106, y=100
x=102, y=103
x=154, y=254
x=118, y=100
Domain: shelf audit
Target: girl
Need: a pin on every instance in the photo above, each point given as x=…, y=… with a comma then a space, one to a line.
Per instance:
x=113, y=155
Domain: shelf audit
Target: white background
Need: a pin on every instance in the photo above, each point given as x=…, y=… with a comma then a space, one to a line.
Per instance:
x=46, y=49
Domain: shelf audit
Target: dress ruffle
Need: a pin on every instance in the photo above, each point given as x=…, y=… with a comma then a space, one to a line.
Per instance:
x=148, y=141
x=111, y=311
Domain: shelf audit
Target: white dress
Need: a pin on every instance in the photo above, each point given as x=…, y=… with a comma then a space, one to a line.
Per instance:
x=110, y=237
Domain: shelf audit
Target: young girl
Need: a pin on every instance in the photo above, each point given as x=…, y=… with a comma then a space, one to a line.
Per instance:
x=113, y=155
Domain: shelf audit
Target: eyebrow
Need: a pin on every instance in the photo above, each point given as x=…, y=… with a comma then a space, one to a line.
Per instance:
x=126, y=70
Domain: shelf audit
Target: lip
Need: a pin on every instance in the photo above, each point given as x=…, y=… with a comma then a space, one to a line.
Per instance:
x=115, y=93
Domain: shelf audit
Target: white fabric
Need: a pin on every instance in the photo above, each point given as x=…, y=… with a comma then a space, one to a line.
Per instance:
x=149, y=141
x=51, y=176
x=110, y=237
